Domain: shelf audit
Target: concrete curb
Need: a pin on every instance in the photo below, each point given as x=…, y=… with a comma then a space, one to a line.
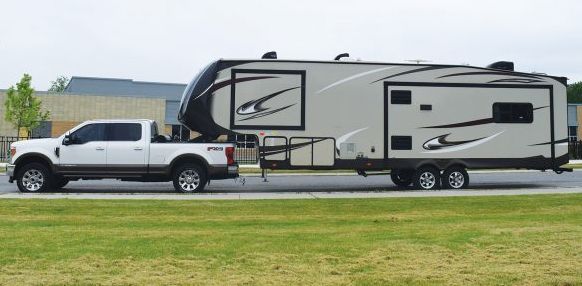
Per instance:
x=300, y=195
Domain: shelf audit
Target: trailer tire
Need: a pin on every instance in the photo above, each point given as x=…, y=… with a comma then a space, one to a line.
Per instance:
x=189, y=178
x=402, y=178
x=33, y=178
x=427, y=178
x=455, y=178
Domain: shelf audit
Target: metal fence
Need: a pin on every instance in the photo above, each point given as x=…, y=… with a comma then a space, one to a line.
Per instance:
x=575, y=149
x=247, y=149
x=5, y=142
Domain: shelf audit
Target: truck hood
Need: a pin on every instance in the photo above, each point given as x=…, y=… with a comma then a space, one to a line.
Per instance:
x=45, y=142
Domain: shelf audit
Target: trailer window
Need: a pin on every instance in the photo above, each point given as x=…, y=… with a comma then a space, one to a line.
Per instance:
x=505, y=112
x=401, y=142
x=400, y=97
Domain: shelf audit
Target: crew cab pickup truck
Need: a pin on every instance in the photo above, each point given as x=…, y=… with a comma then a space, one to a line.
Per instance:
x=130, y=150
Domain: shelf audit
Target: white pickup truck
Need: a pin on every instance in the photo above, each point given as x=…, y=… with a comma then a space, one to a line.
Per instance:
x=130, y=150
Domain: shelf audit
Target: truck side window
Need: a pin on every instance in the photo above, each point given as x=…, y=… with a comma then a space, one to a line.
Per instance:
x=509, y=112
x=123, y=132
x=89, y=133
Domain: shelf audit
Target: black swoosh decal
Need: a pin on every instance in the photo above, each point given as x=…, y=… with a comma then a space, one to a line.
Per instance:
x=226, y=83
x=256, y=104
x=517, y=80
x=464, y=124
x=443, y=142
x=485, y=73
x=409, y=72
x=267, y=113
x=550, y=142
x=472, y=122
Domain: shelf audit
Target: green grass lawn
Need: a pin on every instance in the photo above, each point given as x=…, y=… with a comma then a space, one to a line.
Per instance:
x=463, y=240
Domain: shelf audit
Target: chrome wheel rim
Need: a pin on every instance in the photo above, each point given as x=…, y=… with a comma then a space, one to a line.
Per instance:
x=189, y=180
x=32, y=180
x=427, y=180
x=456, y=180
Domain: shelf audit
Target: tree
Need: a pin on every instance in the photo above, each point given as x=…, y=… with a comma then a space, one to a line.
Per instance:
x=59, y=84
x=575, y=92
x=22, y=107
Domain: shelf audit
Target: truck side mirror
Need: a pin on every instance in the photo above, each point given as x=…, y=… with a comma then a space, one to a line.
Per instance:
x=67, y=140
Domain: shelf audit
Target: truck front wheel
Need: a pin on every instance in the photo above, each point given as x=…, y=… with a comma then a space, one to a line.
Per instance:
x=189, y=178
x=33, y=177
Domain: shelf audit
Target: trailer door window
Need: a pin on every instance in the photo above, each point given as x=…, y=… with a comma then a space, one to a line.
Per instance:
x=505, y=112
x=400, y=97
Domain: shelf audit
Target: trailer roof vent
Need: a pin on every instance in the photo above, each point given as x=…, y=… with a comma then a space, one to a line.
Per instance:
x=270, y=55
x=502, y=65
x=344, y=55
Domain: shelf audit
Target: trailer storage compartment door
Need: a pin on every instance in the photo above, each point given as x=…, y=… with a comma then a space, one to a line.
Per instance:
x=311, y=151
x=456, y=120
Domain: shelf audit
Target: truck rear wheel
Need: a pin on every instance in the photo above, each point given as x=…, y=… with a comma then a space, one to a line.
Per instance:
x=33, y=178
x=427, y=178
x=189, y=178
x=401, y=178
x=455, y=178
x=59, y=182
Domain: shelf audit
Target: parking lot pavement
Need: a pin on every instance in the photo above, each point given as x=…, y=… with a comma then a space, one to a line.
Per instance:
x=311, y=186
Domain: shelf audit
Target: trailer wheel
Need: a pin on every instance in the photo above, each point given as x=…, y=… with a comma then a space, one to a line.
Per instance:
x=33, y=178
x=189, y=178
x=401, y=178
x=427, y=178
x=455, y=178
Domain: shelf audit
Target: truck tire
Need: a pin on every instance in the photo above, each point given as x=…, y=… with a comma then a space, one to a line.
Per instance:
x=59, y=182
x=189, y=178
x=33, y=178
x=401, y=178
x=427, y=178
x=456, y=178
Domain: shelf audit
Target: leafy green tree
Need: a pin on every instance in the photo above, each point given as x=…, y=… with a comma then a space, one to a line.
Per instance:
x=575, y=92
x=59, y=84
x=23, y=109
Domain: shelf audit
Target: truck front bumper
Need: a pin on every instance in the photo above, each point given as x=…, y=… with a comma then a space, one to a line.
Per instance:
x=10, y=172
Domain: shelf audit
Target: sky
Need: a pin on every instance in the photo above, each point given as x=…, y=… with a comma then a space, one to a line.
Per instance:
x=170, y=41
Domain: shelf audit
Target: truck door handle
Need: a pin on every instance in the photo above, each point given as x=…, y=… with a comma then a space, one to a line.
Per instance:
x=99, y=148
x=137, y=148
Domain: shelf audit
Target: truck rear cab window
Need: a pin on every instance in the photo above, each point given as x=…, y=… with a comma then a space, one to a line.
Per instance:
x=509, y=112
x=123, y=132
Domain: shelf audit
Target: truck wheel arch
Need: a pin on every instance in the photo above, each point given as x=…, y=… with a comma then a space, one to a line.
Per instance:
x=188, y=158
x=33, y=157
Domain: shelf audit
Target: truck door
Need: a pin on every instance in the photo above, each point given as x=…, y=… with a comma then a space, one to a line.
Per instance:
x=87, y=151
x=126, y=148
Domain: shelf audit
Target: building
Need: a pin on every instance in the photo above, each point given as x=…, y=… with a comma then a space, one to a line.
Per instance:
x=574, y=120
x=88, y=98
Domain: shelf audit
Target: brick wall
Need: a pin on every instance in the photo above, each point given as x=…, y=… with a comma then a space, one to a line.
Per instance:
x=67, y=110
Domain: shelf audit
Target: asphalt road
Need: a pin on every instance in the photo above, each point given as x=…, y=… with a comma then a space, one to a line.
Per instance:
x=291, y=186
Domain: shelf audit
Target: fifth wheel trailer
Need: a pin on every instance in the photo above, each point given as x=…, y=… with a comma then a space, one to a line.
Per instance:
x=422, y=122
